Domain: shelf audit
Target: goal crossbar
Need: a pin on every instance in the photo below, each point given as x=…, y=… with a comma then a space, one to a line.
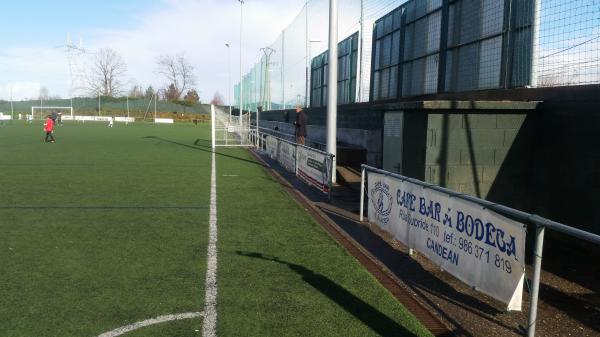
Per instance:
x=33, y=108
x=228, y=130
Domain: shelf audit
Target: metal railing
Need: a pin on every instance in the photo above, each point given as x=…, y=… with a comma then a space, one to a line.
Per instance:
x=259, y=139
x=541, y=224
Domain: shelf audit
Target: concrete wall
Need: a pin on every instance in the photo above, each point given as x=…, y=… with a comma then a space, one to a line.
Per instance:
x=465, y=152
x=358, y=125
x=317, y=137
x=544, y=161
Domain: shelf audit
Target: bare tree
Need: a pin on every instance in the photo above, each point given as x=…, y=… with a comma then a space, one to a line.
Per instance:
x=178, y=71
x=149, y=92
x=107, y=73
x=136, y=91
x=44, y=95
x=217, y=99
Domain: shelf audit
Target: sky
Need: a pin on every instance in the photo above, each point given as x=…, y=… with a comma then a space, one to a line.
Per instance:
x=33, y=53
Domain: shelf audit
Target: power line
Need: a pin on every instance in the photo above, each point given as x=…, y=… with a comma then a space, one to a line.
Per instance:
x=569, y=48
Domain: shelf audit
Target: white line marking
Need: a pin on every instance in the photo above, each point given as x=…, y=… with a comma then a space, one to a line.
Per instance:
x=160, y=319
x=209, y=328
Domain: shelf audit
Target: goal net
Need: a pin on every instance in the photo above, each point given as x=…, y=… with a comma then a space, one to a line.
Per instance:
x=40, y=112
x=228, y=130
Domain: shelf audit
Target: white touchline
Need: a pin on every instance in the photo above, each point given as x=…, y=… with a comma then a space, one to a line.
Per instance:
x=209, y=328
x=160, y=319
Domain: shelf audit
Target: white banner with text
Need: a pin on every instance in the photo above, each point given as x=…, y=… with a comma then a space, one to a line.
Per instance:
x=314, y=168
x=286, y=156
x=271, y=147
x=478, y=246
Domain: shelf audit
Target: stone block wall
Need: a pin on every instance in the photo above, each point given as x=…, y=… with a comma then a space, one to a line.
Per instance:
x=465, y=152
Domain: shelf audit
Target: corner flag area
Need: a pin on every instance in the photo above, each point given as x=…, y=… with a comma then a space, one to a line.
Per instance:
x=123, y=232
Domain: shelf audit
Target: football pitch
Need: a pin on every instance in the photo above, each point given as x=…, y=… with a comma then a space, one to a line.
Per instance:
x=106, y=231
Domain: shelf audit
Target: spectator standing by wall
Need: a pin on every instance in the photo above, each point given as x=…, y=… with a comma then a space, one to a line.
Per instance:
x=300, y=124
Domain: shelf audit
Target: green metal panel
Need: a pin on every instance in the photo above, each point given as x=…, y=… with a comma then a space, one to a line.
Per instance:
x=392, y=141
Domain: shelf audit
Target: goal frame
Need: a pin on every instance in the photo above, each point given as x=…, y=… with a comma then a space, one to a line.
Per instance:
x=230, y=133
x=42, y=108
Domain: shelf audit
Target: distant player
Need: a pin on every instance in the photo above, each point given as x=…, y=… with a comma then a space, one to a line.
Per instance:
x=54, y=116
x=49, y=128
x=110, y=122
x=59, y=120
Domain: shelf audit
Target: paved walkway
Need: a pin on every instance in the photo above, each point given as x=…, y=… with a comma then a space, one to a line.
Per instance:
x=566, y=308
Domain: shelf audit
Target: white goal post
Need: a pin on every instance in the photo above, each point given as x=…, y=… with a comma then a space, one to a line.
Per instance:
x=228, y=130
x=49, y=109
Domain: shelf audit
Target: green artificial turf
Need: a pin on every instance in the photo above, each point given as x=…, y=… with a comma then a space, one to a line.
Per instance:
x=107, y=227
x=101, y=229
x=280, y=274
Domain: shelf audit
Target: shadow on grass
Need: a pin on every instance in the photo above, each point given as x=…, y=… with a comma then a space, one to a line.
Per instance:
x=204, y=148
x=373, y=318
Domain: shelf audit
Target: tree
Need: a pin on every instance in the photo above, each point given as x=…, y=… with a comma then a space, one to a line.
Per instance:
x=136, y=91
x=178, y=71
x=192, y=97
x=107, y=73
x=44, y=95
x=149, y=92
x=217, y=99
x=171, y=93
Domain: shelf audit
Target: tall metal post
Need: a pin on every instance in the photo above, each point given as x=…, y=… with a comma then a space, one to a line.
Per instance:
x=257, y=128
x=127, y=123
x=212, y=126
x=332, y=86
x=362, y=193
x=359, y=75
x=229, y=79
x=307, y=47
x=535, y=43
x=12, y=110
x=99, y=106
x=268, y=51
x=283, y=69
x=535, y=287
x=241, y=78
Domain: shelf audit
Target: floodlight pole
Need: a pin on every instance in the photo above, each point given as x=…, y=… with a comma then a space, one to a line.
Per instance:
x=536, y=43
x=12, y=110
x=241, y=79
x=308, y=70
x=41, y=103
x=332, y=86
x=268, y=51
x=229, y=79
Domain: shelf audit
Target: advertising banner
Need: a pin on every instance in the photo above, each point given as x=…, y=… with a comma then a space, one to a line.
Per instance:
x=125, y=119
x=286, y=156
x=271, y=144
x=478, y=246
x=314, y=168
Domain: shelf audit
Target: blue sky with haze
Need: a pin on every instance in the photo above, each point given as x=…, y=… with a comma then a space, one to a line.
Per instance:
x=140, y=31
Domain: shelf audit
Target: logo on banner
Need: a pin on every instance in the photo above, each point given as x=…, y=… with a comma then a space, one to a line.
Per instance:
x=382, y=201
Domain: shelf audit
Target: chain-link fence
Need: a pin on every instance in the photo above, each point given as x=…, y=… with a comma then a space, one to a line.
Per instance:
x=429, y=46
x=106, y=106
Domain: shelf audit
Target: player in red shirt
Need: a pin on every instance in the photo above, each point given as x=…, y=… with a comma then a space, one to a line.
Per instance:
x=49, y=127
